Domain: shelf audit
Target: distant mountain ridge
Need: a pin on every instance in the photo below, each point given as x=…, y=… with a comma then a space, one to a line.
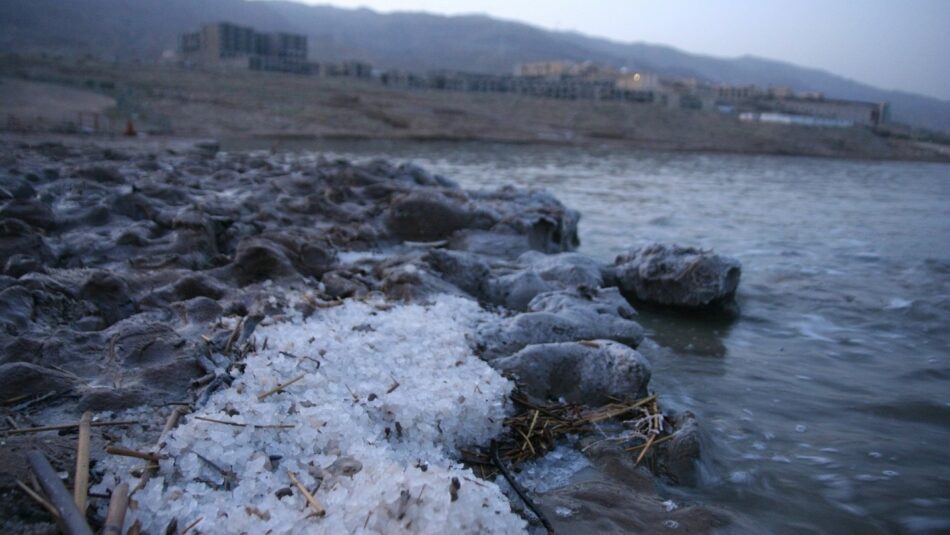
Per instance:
x=143, y=29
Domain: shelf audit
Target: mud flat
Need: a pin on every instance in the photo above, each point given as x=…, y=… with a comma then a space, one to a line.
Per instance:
x=298, y=343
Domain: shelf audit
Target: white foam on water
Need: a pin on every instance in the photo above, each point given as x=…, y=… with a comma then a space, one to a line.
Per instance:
x=404, y=438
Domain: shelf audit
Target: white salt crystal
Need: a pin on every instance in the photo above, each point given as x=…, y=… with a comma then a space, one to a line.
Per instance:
x=446, y=398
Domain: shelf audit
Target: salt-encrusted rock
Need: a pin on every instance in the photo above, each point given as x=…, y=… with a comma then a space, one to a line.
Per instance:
x=340, y=285
x=426, y=216
x=466, y=270
x=678, y=276
x=515, y=290
x=258, y=259
x=31, y=211
x=591, y=372
x=549, y=226
x=410, y=282
x=18, y=238
x=535, y=273
x=596, y=305
x=565, y=316
x=566, y=270
x=22, y=378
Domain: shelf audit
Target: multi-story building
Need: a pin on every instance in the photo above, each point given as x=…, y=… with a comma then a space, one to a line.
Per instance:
x=225, y=45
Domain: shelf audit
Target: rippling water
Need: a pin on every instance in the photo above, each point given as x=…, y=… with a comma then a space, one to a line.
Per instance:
x=827, y=404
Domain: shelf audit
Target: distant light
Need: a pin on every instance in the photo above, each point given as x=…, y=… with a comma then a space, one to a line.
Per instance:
x=636, y=77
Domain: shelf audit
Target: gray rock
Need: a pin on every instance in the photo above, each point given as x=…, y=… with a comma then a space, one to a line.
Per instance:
x=258, y=260
x=589, y=373
x=426, y=216
x=535, y=273
x=515, y=290
x=466, y=270
x=22, y=378
x=338, y=285
x=677, y=459
x=594, y=303
x=564, y=316
x=678, y=276
x=32, y=211
x=566, y=270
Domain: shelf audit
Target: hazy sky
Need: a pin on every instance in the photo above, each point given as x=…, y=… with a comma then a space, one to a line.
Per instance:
x=892, y=44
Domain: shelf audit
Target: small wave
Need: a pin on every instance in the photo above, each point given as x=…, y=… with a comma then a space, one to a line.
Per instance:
x=899, y=304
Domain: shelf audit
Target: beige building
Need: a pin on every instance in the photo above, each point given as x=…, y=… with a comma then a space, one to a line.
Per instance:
x=546, y=68
x=638, y=81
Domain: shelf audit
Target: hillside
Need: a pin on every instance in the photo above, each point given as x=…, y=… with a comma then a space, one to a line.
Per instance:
x=143, y=29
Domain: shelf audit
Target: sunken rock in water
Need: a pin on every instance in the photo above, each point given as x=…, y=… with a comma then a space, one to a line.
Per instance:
x=678, y=276
x=589, y=372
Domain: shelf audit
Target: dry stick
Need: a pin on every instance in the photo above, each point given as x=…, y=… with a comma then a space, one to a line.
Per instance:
x=125, y=452
x=527, y=438
x=520, y=491
x=234, y=335
x=150, y=466
x=280, y=387
x=193, y=524
x=81, y=479
x=118, y=504
x=66, y=426
x=236, y=424
x=74, y=522
x=657, y=441
x=646, y=448
x=39, y=499
x=606, y=415
x=314, y=504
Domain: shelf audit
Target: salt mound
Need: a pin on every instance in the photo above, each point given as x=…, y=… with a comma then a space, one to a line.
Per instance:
x=382, y=454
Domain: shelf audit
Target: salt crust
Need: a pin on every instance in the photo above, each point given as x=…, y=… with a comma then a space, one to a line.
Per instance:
x=446, y=398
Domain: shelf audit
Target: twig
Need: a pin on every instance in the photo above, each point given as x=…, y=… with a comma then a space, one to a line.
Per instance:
x=394, y=386
x=314, y=504
x=190, y=526
x=655, y=442
x=74, y=522
x=81, y=479
x=125, y=452
x=527, y=438
x=150, y=466
x=237, y=424
x=66, y=426
x=230, y=478
x=39, y=499
x=520, y=491
x=26, y=404
x=280, y=387
x=118, y=504
x=646, y=447
x=234, y=335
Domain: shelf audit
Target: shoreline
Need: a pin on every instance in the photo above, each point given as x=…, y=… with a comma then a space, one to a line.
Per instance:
x=193, y=257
